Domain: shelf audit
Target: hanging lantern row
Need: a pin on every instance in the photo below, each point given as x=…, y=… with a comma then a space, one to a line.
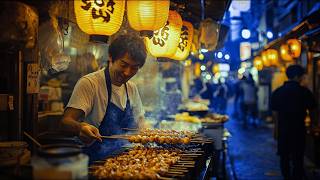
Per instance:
x=104, y=17
x=172, y=38
x=270, y=57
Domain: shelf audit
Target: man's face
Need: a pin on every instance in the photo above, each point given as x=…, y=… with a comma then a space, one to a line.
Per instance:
x=123, y=69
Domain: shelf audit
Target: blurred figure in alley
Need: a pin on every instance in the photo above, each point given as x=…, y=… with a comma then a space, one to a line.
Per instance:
x=197, y=88
x=238, y=98
x=290, y=103
x=249, y=101
x=220, y=98
x=208, y=93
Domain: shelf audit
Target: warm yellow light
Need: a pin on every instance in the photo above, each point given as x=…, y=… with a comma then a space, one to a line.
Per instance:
x=294, y=47
x=195, y=42
x=187, y=62
x=101, y=17
x=264, y=57
x=164, y=41
x=284, y=52
x=258, y=63
x=197, y=70
x=273, y=57
x=201, y=56
x=147, y=15
x=215, y=69
x=184, y=42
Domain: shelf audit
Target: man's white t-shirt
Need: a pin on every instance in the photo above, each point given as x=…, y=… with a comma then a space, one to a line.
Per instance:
x=90, y=95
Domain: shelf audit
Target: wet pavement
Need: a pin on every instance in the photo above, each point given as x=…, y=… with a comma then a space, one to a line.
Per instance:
x=252, y=150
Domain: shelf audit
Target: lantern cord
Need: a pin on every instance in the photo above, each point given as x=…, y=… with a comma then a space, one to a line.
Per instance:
x=202, y=9
x=66, y=22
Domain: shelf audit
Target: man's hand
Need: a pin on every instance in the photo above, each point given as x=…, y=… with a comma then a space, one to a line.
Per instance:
x=89, y=133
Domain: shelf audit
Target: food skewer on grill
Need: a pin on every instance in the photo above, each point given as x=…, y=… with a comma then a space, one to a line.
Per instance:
x=153, y=162
x=161, y=137
x=157, y=139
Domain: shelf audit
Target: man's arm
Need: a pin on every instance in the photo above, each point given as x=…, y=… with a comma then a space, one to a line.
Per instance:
x=71, y=125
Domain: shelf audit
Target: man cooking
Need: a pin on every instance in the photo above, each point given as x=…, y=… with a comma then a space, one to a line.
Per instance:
x=105, y=101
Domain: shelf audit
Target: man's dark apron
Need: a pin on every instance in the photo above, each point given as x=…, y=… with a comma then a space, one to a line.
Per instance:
x=113, y=121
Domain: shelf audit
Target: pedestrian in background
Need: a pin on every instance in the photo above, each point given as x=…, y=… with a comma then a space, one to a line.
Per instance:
x=290, y=103
x=249, y=101
x=220, y=97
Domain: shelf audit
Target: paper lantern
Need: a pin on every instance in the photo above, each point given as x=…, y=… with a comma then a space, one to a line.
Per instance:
x=284, y=52
x=100, y=17
x=294, y=47
x=147, y=15
x=264, y=57
x=184, y=42
x=209, y=34
x=164, y=41
x=258, y=63
x=273, y=57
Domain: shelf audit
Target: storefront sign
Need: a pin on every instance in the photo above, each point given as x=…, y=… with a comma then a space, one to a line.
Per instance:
x=33, y=78
x=245, y=51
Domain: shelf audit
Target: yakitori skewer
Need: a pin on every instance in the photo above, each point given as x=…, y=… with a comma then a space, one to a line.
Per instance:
x=178, y=170
x=164, y=178
x=188, y=166
x=174, y=175
x=174, y=172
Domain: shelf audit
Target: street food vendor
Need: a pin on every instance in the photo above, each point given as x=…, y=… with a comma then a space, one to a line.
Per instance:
x=105, y=101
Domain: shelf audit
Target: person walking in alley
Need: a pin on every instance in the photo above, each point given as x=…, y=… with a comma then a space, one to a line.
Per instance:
x=220, y=97
x=290, y=103
x=249, y=102
x=238, y=99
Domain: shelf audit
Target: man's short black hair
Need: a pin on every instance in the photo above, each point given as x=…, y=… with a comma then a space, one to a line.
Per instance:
x=128, y=44
x=295, y=71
